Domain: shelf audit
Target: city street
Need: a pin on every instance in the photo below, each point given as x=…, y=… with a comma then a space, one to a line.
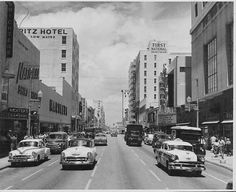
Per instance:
x=118, y=167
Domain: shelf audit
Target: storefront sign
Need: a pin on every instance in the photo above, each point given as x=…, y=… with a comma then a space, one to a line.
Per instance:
x=57, y=107
x=10, y=29
x=166, y=119
x=26, y=72
x=158, y=47
x=15, y=113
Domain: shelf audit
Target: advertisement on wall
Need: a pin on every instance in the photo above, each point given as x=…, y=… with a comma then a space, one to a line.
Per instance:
x=158, y=47
x=167, y=119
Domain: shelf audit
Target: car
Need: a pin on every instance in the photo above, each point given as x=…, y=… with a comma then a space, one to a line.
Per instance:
x=57, y=141
x=80, y=152
x=178, y=155
x=100, y=139
x=158, y=139
x=29, y=150
x=113, y=134
x=148, y=139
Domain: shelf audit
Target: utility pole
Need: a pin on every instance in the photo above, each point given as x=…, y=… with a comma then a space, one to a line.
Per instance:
x=122, y=107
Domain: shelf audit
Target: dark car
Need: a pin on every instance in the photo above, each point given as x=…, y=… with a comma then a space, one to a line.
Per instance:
x=114, y=134
x=100, y=139
x=57, y=141
x=158, y=139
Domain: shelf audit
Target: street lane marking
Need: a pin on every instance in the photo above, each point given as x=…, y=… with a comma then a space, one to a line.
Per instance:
x=8, y=188
x=93, y=173
x=52, y=163
x=142, y=162
x=154, y=175
x=216, y=178
x=87, y=186
x=32, y=174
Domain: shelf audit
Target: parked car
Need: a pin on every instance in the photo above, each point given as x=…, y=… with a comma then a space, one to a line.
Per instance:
x=158, y=139
x=113, y=134
x=178, y=155
x=148, y=139
x=57, y=141
x=80, y=152
x=29, y=150
x=100, y=139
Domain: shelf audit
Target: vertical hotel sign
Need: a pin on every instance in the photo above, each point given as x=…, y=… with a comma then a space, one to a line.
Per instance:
x=10, y=29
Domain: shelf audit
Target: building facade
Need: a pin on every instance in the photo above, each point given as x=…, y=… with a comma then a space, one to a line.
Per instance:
x=212, y=65
x=132, y=92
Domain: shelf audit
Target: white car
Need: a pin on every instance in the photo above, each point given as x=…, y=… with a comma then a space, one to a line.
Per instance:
x=178, y=155
x=29, y=150
x=80, y=152
x=148, y=139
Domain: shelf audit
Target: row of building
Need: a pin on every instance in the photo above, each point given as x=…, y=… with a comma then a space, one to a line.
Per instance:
x=39, y=75
x=196, y=89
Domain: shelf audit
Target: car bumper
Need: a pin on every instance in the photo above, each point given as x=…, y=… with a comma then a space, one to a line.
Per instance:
x=55, y=148
x=76, y=162
x=21, y=160
x=100, y=142
x=187, y=167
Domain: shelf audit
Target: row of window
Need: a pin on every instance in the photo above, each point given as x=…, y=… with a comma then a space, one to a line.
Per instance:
x=145, y=73
x=145, y=81
x=145, y=88
x=145, y=65
x=154, y=96
x=145, y=57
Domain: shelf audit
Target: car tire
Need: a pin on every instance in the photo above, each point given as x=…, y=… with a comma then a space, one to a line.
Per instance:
x=64, y=167
x=198, y=173
x=13, y=164
x=45, y=158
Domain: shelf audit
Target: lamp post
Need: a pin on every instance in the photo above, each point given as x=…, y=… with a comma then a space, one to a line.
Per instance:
x=122, y=107
x=197, y=103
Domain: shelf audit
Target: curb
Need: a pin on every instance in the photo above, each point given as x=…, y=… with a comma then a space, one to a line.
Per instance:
x=230, y=169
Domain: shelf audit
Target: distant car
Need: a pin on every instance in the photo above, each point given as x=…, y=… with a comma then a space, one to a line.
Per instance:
x=80, y=152
x=100, y=139
x=178, y=155
x=148, y=139
x=114, y=134
x=29, y=150
x=57, y=141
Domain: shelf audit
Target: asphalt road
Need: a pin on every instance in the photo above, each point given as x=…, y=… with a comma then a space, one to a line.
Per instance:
x=119, y=167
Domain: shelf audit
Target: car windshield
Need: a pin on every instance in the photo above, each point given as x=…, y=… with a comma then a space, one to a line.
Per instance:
x=55, y=136
x=78, y=143
x=28, y=144
x=181, y=147
x=134, y=133
x=100, y=135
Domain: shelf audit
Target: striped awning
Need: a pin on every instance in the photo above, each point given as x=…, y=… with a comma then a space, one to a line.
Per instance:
x=209, y=122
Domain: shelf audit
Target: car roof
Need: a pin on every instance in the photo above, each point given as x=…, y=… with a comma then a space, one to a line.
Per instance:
x=186, y=128
x=57, y=132
x=177, y=142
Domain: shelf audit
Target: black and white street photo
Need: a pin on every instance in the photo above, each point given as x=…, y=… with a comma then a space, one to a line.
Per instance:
x=117, y=95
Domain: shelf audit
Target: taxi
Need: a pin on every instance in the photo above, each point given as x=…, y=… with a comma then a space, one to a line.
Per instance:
x=178, y=155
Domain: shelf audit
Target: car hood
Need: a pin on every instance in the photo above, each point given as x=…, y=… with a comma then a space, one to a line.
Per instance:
x=82, y=151
x=184, y=155
x=24, y=150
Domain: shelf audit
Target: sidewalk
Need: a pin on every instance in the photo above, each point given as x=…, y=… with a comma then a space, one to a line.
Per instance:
x=4, y=162
x=227, y=162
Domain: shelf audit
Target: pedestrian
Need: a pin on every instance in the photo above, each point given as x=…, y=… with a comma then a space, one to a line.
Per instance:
x=221, y=147
x=213, y=139
x=227, y=145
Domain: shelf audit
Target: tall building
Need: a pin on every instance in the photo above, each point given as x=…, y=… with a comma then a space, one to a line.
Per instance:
x=132, y=92
x=59, y=55
x=212, y=65
x=149, y=64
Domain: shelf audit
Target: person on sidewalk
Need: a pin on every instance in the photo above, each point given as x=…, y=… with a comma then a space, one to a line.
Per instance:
x=221, y=147
x=213, y=139
x=227, y=146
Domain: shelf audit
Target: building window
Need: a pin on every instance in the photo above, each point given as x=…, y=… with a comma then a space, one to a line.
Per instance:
x=196, y=11
x=145, y=73
x=155, y=65
x=145, y=81
x=145, y=57
x=63, y=67
x=63, y=53
x=63, y=39
x=145, y=65
x=155, y=57
x=155, y=88
x=155, y=72
x=210, y=69
x=155, y=96
x=155, y=80
x=229, y=51
x=145, y=95
x=145, y=89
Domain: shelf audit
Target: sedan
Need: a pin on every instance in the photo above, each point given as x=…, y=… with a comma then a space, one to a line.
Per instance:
x=100, y=139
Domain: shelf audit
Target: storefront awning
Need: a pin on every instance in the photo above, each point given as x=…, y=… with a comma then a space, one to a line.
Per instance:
x=209, y=122
x=227, y=121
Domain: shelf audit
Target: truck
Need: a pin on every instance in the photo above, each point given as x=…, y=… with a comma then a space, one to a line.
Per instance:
x=134, y=134
x=192, y=135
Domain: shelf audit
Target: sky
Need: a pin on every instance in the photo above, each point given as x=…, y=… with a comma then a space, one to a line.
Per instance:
x=110, y=35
